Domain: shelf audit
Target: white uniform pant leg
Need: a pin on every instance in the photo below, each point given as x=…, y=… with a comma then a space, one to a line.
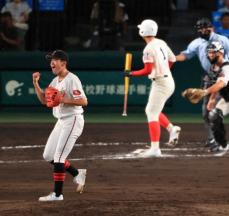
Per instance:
x=161, y=90
x=72, y=128
x=223, y=106
x=52, y=141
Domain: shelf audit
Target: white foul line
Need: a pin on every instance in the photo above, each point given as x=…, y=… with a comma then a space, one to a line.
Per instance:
x=76, y=145
x=100, y=144
x=122, y=157
x=136, y=154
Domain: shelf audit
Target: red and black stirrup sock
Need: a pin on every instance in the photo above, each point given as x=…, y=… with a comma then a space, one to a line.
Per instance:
x=59, y=177
x=70, y=169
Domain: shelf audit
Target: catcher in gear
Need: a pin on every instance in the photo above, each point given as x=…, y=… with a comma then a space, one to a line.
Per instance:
x=197, y=47
x=217, y=109
x=66, y=97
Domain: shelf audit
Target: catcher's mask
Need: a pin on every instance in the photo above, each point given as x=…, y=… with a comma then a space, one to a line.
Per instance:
x=58, y=55
x=216, y=47
x=202, y=26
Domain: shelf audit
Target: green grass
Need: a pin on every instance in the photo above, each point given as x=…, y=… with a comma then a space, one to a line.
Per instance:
x=12, y=117
x=137, y=118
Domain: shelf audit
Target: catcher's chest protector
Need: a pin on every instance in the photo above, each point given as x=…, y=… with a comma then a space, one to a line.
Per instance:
x=224, y=92
x=214, y=72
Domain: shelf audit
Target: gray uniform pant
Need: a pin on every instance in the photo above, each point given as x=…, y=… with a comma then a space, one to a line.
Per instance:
x=205, y=112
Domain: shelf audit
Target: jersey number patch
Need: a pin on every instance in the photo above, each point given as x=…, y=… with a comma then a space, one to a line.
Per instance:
x=163, y=53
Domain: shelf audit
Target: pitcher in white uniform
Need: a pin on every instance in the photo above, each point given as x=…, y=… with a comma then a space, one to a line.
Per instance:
x=157, y=59
x=69, y=125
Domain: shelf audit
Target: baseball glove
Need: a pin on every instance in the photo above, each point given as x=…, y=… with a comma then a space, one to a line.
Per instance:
x=53, y=97
x=194, y=95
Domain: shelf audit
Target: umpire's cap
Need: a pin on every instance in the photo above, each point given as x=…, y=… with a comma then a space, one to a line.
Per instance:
x=203, y=23
x=58, y=55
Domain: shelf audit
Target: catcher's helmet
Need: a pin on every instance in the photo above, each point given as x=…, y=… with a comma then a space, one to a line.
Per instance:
x=203, y=23
x=215, y=46
x=148, y=28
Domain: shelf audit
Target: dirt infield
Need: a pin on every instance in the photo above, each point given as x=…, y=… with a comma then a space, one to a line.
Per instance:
x=187, y=181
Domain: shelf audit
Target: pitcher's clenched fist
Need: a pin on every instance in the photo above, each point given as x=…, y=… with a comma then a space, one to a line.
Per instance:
x=36, y=77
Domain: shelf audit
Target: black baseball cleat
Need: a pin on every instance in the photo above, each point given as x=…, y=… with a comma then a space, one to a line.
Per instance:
x=218, y=148
x=210, y=142
x=214, y=147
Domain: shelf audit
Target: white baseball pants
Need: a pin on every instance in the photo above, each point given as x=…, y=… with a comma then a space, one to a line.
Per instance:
x=63, y=138
x=162, y=88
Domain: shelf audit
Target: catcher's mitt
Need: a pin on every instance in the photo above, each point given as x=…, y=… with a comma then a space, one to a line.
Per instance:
x=53, y=97
x=194, y=95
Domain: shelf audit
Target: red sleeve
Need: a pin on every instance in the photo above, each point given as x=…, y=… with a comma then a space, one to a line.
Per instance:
x=145, y=71
x=170, y=64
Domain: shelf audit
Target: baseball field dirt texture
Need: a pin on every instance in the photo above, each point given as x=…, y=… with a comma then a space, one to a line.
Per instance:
x=186, y=181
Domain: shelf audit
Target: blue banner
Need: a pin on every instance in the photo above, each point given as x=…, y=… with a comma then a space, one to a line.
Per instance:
x=51, y=5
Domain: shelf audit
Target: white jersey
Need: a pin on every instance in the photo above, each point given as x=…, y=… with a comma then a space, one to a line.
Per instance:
x=72, y=88
x=158, y=53
x=224, y=75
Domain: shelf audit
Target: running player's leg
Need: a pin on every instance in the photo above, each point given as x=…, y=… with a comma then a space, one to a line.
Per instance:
x=49, y=151
x=153, y=109
x=72, y=129
x=174, y=131
x=164, y=121
x=159, y=94
x=50, y=147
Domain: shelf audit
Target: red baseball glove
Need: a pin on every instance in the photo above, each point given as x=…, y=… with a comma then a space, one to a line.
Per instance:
x=53, y=97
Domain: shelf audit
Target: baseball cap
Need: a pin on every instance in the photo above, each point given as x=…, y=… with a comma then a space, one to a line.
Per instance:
x=58, y=55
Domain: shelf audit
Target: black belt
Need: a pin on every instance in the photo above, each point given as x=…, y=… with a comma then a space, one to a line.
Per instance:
x=159, y=77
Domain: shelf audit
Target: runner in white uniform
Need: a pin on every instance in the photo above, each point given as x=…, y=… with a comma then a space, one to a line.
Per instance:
x=68, y=127
x=157, y=58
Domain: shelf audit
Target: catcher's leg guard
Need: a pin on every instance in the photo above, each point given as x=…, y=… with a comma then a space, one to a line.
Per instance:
x=205, y=115
x=217, y=125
